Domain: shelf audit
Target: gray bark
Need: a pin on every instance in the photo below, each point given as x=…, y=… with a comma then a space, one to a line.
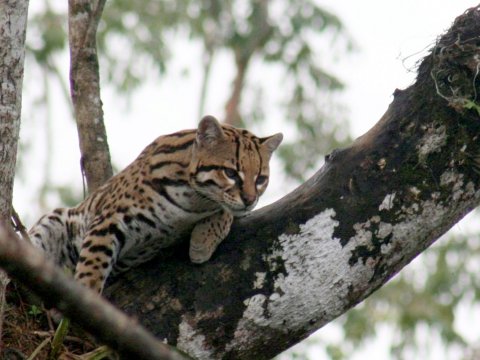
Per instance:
x=13, y=28
x=13, y=25
x=290, y=268
x=83, y=18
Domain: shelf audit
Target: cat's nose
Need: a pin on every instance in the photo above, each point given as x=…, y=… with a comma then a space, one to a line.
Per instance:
x=248, y=199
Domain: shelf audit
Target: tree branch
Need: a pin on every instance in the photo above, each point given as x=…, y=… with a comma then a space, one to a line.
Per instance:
x=292, y=267
x=83, y=18
x=82, y=305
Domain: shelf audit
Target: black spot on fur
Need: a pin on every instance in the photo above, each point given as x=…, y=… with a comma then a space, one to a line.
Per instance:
x=85, y=274
x=101, y=248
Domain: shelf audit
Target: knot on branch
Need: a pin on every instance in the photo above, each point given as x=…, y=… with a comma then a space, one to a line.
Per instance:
x=456, y=63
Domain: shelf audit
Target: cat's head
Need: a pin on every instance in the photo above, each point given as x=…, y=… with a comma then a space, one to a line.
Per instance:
x=231, y=166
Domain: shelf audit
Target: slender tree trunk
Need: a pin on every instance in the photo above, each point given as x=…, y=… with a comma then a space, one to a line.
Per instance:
x=292, y=267
x=232, y=109
x=83, y=18
x=13, y=27
x=257, y=37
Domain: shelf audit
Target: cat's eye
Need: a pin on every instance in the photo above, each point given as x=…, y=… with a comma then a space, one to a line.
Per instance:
x=261, y=179
x=232, y=174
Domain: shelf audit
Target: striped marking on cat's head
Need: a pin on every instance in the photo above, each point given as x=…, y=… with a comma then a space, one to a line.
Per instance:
x=231, y=166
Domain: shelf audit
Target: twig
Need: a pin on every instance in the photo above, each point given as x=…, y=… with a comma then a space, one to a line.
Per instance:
x=38, y=349
x=83, y=306
x=99, y=353
x=69, y=338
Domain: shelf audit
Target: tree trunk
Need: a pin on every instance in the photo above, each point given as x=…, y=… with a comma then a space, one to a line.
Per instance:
x=244, y=50
x=290, y=268
x=232, y=109
x=13, y=28
x=83, y=18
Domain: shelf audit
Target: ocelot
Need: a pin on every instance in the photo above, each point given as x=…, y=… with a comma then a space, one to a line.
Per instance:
x=189, y=182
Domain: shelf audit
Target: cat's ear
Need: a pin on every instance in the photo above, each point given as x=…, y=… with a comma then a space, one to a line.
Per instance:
x=209, y=131
x=271, y=142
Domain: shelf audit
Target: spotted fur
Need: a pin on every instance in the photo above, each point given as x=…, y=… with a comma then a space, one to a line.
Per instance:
x=192, y=181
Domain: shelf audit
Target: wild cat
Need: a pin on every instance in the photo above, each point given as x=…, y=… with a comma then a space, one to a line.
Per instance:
x=192, y=181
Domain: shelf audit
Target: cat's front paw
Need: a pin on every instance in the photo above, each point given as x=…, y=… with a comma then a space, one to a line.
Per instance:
x=199, y=255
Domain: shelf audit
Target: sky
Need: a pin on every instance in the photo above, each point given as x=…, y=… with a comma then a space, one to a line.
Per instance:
x=390, y=37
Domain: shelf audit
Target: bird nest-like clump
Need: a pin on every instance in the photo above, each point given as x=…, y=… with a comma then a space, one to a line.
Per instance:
x=455, y=67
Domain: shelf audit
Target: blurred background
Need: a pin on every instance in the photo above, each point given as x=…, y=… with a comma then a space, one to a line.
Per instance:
x=321, y=72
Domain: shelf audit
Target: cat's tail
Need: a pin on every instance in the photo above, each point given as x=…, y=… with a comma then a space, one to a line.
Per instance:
x=53, y=233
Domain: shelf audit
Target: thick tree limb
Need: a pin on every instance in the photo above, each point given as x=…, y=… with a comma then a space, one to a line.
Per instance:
x=290, y=268
x=82, y=305
x=13, y=29
x=83, y=18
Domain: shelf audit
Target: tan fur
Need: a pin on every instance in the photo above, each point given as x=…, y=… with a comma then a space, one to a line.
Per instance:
x=192, y=181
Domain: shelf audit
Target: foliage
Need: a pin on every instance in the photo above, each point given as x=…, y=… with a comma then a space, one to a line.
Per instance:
x=282, y=32
x=34, y=310
x=426, y=295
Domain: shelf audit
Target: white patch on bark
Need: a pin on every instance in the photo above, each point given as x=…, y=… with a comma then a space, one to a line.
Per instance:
x=192, y=342
x=387, y=202
x=384, y=229
x=302, y=254
x=414, y=191
x=314, y=283
x=316, y=277
x=433, y=140
x=455, y=180
x=364, y=235
x=255, y=309
x=93, y=98
x=259, y=280
x=81, y=16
